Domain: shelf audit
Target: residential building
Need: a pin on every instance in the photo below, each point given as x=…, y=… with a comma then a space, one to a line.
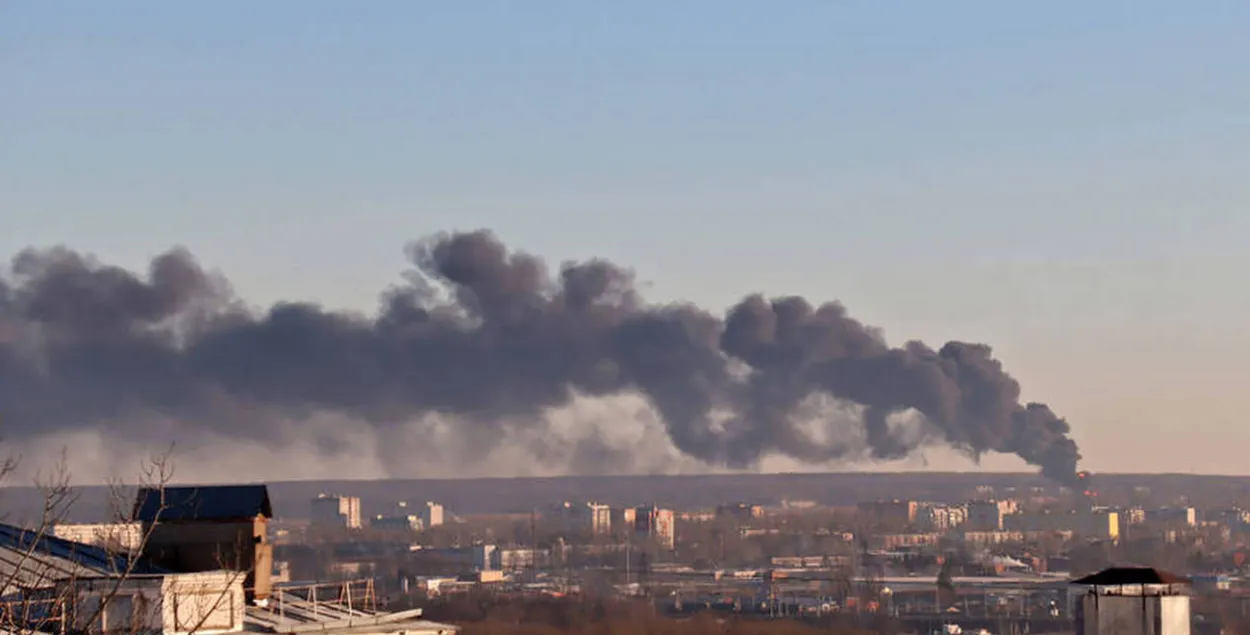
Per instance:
x=987, y=515
x=402, y=523
x=581, y=519
x=940, y=517
x=335, y=511
x=431, y=515
x=894, y=513
x=655, y=523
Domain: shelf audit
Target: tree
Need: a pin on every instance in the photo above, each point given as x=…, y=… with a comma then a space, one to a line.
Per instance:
x=946, y=593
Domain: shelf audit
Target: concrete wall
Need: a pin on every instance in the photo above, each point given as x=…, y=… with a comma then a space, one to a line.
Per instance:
x=1176, y=617
x=205, y=603
x=1135, y=615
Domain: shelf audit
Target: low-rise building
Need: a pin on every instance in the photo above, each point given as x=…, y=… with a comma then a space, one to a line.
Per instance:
x=403, y=523
x=739, y=512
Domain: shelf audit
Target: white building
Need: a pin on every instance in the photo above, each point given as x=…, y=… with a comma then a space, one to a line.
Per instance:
x=91, y=589
x=940, y=517
x=205, y=603
x=655, y=523
x=431, y=515
x=336, y=511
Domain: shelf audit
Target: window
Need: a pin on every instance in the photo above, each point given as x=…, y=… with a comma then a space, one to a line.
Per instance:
x=212, y=610
x=119, y=614
x=87, y=614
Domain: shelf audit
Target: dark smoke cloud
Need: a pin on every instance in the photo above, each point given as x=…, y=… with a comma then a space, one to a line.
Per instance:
x=490, y=336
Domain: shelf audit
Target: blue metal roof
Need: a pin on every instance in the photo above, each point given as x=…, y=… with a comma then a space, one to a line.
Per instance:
x=97, y=559
x=207, y=502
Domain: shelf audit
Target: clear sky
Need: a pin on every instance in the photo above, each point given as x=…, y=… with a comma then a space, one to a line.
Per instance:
x=1066, y=181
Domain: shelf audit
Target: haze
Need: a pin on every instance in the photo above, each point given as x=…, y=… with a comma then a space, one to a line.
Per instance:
x=1063, y=182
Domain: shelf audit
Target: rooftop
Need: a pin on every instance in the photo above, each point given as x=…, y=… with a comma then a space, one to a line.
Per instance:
x=207, y=502
x=1124, y=576
x=32, y=559
x=288, y=612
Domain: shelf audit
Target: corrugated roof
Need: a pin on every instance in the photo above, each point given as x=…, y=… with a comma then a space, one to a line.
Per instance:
x=30, y=559
x=207, y=502
x=1123, y=576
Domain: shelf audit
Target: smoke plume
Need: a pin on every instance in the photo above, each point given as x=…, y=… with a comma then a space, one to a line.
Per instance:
x=491, y=339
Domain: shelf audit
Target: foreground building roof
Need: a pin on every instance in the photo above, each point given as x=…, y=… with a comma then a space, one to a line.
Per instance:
x=31, y=559
x=1124, y=576
x=202, y=502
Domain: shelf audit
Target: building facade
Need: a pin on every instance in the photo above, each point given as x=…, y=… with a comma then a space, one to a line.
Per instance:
x=987, y=515
x=656, y=524
x=896, y=513
x=335, y=511
x=431, y=515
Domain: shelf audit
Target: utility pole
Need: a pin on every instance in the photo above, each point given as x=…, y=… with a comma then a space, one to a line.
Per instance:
x=629, y=545
x=533, y=544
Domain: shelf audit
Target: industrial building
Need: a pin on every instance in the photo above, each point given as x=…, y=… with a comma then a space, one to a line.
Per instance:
x=335, y=512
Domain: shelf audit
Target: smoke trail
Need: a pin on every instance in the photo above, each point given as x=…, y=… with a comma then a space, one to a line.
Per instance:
x=490, y=337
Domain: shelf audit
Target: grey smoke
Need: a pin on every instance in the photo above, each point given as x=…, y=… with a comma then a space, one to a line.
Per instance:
x=490, y=336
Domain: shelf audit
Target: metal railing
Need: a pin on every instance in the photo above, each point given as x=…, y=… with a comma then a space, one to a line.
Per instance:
x=49, y=615
x=323, y=600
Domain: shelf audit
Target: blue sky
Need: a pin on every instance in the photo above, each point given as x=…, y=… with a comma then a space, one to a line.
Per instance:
x=1063, y=180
